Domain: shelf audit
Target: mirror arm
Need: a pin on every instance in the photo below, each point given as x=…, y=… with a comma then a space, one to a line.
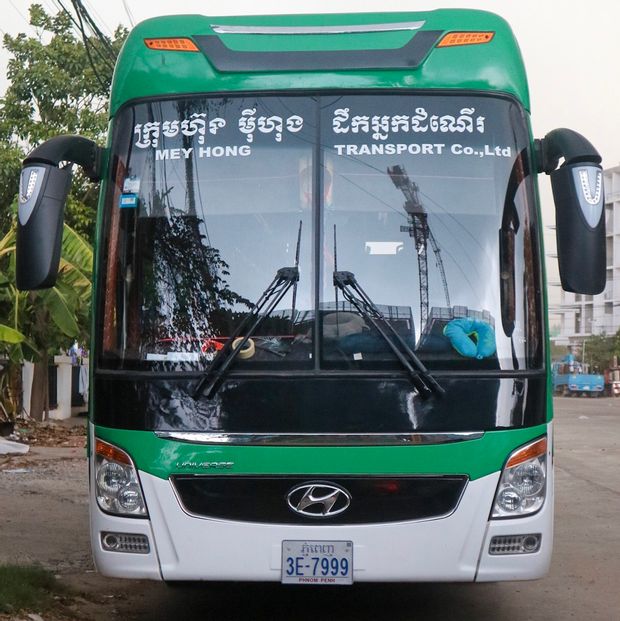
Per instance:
x=567, y=144
x=76, y=149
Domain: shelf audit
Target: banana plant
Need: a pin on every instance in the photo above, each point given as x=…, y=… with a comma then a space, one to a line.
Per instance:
x=36, y=324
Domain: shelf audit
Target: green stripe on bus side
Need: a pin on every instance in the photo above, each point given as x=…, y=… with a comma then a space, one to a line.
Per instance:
x=475, y=458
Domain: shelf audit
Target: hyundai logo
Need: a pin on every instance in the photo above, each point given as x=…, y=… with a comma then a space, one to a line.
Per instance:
x=318, y=499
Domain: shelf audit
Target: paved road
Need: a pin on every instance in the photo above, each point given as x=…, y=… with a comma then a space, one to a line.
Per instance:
x=582, y=584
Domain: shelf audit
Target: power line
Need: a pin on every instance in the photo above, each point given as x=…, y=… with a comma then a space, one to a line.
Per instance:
x=49, y=6
x=129, y=15
x=62, y=9
x=90, y=58
x=107, y=59
x=94, y=11
x=24, y=17
x=19, y=12
x=81, y=10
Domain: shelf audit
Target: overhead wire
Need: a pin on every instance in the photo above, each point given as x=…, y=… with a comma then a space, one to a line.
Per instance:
x=93, y=10
x=81, y=34
x=130, y=17
x=108, y=59
x=86, y=16
x=24, y=18
x=105, y=53
x=62, y=9
x=90, y=58
x=50, y=7
x=19, y=12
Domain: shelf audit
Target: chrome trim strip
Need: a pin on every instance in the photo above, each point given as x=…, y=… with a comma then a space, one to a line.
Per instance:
x=312, y=30
x=310, y=439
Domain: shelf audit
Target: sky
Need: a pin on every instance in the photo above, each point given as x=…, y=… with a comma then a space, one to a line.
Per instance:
x=571, y=51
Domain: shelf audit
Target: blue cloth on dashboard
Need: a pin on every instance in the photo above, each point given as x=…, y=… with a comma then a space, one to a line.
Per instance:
x=471, y=338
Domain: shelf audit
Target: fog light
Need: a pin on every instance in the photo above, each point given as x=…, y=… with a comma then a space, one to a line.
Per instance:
x=125, y=542
x=515, y=544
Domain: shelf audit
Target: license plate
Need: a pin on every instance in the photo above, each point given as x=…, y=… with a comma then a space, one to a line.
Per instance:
x=317, y=562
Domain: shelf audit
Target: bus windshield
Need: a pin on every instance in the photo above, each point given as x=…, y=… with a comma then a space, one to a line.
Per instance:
x=426, y=198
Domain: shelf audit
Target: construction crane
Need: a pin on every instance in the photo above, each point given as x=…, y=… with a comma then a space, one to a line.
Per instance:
x=418, y=228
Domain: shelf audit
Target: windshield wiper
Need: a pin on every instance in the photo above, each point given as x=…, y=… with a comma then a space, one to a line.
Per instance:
x=284, y=279
x=423, y=381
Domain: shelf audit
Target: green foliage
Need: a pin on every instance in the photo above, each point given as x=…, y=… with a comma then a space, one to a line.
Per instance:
x=600, y=350
x=597, y=351
x=35, y=324
x=10, y=166
x=54, y=88
x=558, y=351
x=25, y=587
x=38, y=322
x=57, y=86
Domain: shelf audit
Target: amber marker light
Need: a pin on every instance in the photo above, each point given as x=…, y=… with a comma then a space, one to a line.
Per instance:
x=172, y=44
x=536, y=449
x=111, y=453
x=453, y=39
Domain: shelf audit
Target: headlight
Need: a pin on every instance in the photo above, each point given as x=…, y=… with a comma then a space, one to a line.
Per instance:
x=522, y=486
x=116, y=482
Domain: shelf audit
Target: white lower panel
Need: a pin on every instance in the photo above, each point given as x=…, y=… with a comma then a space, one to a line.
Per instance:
x=191, y=548
x=121, y=564
x=523, y=566
x=454, y=548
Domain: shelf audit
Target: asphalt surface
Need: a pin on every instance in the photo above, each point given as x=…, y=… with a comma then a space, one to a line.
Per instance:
x=44, y=515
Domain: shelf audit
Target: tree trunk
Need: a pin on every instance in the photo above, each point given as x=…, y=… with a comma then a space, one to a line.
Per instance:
x=14, y=389
x=10, y=385
x=39, y=401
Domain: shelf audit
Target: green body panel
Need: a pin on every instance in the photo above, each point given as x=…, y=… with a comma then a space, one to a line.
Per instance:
x=495, y=67
x=141, y=73
x=475, y=458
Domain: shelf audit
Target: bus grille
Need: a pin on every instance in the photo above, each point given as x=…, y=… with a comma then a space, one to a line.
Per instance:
x=264, y=499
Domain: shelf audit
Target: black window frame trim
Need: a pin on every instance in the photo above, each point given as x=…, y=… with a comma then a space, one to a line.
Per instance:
x=106, y=199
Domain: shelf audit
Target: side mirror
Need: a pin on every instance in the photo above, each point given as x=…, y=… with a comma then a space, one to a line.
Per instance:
x=578, y=195
x=43, y=191
x=579, y=206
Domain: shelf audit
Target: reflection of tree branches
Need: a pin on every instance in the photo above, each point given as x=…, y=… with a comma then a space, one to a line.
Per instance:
x=186, y=294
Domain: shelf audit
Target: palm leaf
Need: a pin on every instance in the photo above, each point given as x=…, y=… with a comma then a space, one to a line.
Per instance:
x=7, y=243
x=77, y=251
x=10, y=335
x=72, y=275
x=60, y=311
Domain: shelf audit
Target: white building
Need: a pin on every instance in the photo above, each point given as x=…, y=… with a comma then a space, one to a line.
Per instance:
x=584, y=315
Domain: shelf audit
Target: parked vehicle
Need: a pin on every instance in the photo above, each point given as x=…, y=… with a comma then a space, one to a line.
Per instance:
x=571, y=379
x=612, y=379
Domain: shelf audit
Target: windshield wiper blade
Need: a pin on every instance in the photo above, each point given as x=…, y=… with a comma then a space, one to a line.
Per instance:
x=424, y=382
x=284, y=279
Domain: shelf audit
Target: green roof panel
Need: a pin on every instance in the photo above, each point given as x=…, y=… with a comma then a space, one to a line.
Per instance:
x=495, y=66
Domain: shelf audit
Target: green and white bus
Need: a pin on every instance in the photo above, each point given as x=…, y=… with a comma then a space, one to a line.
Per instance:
x=319, y=350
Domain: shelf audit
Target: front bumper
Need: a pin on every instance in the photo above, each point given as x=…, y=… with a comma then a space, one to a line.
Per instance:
x=452, y=548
